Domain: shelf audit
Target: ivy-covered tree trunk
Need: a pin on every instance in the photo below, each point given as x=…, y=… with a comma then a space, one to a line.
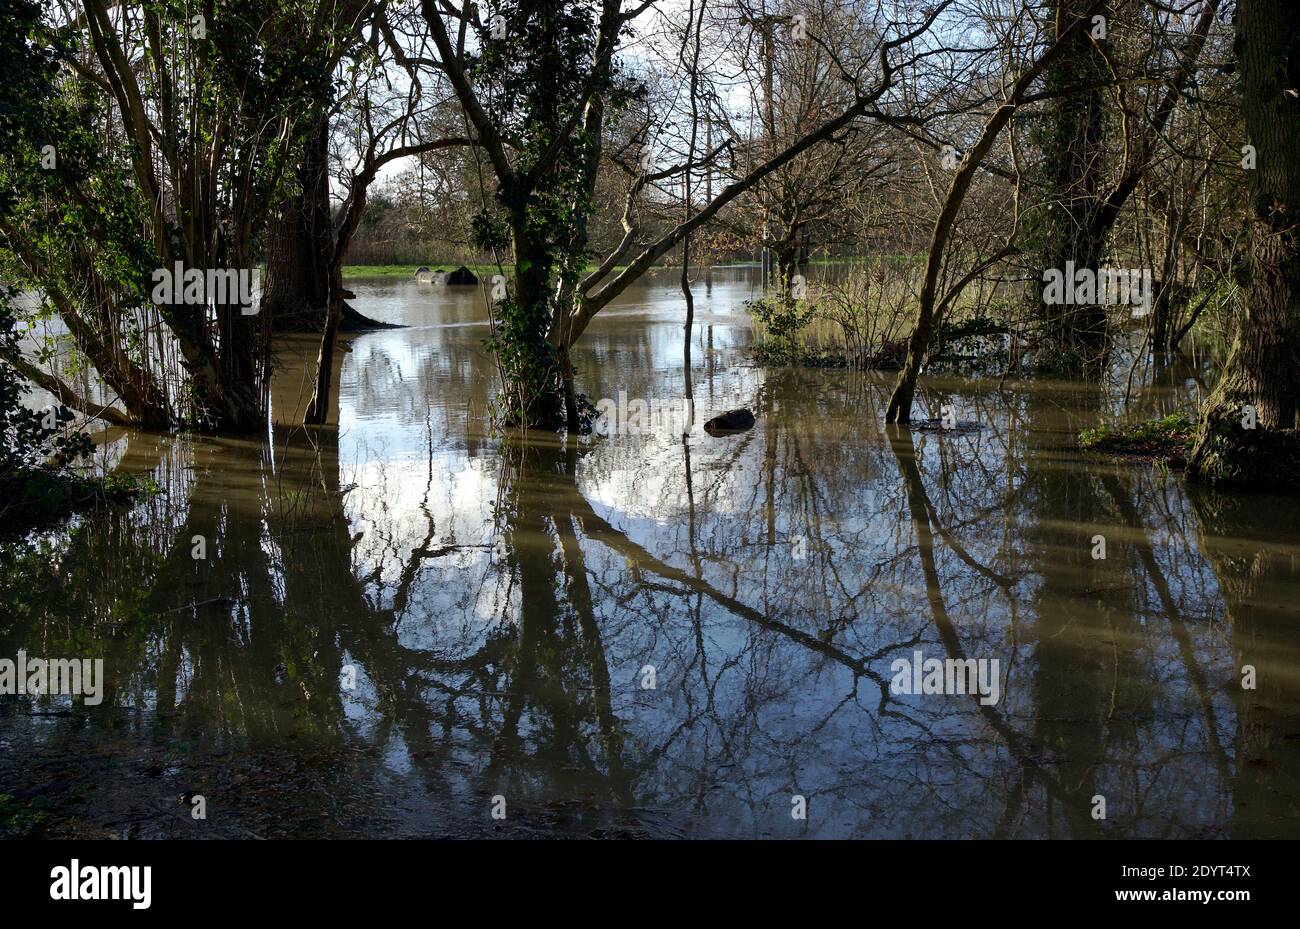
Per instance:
x=1250, y=426
x=1072, y=141
x=786, y=255
x=529, y=361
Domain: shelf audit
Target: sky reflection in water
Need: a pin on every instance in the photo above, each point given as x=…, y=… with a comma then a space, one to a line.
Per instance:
x=499, y=598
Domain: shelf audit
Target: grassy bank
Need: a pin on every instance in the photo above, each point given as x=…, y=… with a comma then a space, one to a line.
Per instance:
x=1167, y=440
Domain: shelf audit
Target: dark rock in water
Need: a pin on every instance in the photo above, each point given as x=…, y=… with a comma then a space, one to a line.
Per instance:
x=348, y=295
x=729, y=422
x=461, y=277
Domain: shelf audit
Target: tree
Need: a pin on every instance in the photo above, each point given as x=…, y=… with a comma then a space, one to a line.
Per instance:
x=1249, y=435
x=299, y=242
x=381, y=128
x=932, y=304
x=1072, y=142
x=69, y=222
x=794, y=87
x=871, y=74
x=553, y=81
x=187, y=126
x=550, y=71
x=302, y=237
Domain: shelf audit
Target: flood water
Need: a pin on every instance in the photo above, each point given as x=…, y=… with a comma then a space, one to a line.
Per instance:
x=410, y=621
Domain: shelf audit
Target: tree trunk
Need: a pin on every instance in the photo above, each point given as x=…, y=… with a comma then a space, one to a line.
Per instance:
x=1073, y=146
x=300, y=243
x=571, y=415
x=318, y=409
x=535, y=395
x=1249, y=434
x=785, y=259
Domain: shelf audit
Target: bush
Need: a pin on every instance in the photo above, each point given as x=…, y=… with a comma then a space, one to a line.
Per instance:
x=782, y=320
x=36, y=446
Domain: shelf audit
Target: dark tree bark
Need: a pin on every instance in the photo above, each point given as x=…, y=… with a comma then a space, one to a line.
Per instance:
x=1249, y=435
x=300, y=247
x=300, y=243
x=543, y=390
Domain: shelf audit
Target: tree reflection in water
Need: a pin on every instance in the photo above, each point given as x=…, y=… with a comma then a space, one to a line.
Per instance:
x=498, y=598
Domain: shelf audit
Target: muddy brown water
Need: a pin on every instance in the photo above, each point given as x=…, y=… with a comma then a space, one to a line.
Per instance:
x=409, y=621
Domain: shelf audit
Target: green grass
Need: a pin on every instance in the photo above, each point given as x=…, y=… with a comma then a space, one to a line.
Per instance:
x=903, y=258
x=1168, y=439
